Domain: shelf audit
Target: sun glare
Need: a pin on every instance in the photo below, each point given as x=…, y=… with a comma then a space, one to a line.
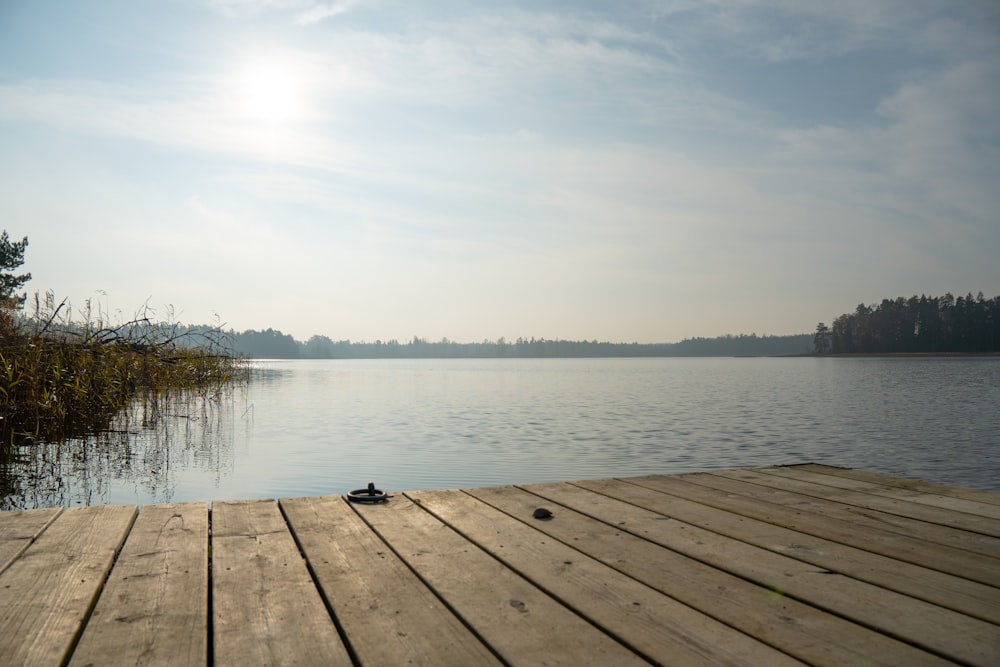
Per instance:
x=269, y=92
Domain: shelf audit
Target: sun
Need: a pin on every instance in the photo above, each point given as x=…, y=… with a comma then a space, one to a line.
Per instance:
x=268, y=90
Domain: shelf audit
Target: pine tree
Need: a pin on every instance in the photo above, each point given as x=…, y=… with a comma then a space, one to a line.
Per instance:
x=11, y=257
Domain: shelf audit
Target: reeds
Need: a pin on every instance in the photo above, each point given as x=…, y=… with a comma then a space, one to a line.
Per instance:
x=61, y=378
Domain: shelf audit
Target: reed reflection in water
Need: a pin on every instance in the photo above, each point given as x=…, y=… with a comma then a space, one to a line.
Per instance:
x=139, y=458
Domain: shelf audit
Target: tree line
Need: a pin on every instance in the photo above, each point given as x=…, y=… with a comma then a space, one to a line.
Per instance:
x=273, y=344
x=919, y=325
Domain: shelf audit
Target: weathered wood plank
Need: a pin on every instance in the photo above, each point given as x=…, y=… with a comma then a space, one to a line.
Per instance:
x=978, y=495
x=18, y=529
x=387, y=613
x=154, y=607
x=956, y=592
x=811, y=635
x=767, y=488
x=932, y=507
x=521, y=623
x=266, y=608
x=976, y=567
x=49, y=590
x=941, y=588
x=657, y=626
x=705, y=533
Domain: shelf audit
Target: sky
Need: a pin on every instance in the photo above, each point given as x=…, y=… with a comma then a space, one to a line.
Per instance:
x=622, y=171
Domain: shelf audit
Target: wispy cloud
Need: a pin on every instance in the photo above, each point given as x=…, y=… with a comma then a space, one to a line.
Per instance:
x=323, y=11
x=786, y=30
x=236, y=8
x=196, y=118
x=301, y=12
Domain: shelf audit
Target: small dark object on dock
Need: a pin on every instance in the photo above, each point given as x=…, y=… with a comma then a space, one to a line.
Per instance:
x=369, y=495
x=542, y=513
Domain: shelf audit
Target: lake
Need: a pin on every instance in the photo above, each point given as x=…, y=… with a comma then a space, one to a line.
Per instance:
x=330, y=426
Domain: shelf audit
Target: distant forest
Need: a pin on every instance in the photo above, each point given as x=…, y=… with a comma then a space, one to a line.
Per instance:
x=273, y=344
x=924, y=324
x=918, y=325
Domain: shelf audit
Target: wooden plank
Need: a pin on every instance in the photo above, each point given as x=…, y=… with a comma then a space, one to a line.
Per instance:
x=946, y=510
x=900, y=547
x=991, y=497
x=798, y=629
x=522, y=624
x=765, y=487
x=19, y=528
x=657, y=626
x=941, y=588
x=154, y=607
x=704, y=533
x=266, y=608
x=50, y=589
x=387, y=613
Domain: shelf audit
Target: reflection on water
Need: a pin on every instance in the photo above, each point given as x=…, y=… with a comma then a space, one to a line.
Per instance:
x=318, y=427
x=146, y=450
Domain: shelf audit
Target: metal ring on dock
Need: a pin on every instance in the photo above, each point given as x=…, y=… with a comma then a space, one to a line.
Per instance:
x=369, y=495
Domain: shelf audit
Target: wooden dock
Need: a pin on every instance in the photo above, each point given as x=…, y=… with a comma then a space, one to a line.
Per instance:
x=779, y=566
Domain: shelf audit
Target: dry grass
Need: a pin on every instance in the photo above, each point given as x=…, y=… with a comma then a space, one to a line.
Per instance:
x=60, y=379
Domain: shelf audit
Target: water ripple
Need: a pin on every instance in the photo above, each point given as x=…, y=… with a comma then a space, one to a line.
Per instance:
x=322, y=427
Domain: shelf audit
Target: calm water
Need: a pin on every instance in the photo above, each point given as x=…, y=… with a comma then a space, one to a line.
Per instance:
x=318, y=427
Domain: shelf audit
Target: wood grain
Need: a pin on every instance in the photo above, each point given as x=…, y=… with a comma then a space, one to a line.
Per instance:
x=266, y=608
x=703, y=532
x=796, y=628
x=154, y=608
x=389, y=615
x=777, y=490
x=978, y=495
x=658, y=626
x=946, y=510
x=50, y=589
x=905, y=548
x=19, y=528
x=522, y=624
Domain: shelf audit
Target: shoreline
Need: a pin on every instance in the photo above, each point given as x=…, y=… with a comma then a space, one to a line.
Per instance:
x=948, y=355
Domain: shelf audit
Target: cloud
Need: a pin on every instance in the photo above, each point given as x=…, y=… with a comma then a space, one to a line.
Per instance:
x=476, y=61
x=927, y=157
x=778, y=31
x=191, y=118
x=322, y=11
x=238, y=8
x=301, y=12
